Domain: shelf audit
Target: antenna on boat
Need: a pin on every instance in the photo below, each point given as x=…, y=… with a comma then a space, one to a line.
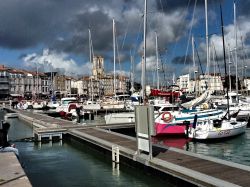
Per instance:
x=224, y=58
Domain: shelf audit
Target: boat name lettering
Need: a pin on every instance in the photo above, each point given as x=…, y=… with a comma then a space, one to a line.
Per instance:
x=226, y=132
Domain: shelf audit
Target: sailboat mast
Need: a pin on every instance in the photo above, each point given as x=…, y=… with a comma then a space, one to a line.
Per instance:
x=236, y=60
x=157, y=61
x=194, y=68
x=132, y=73
x=193, y=55
x=114, y=54
x=229, y=63
x=207, y=44
x=90, y=60
x=144, y=53
x=224, y=57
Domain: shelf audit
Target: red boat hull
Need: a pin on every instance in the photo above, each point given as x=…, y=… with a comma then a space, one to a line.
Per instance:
x=169, y=129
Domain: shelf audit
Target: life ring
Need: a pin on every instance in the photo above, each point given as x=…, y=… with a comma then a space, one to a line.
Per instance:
x=167, y=117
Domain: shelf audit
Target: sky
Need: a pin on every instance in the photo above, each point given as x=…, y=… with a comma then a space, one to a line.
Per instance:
x=53, y=35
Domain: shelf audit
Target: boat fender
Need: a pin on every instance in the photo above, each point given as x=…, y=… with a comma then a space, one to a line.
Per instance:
x=167, y=117
x=205, y=106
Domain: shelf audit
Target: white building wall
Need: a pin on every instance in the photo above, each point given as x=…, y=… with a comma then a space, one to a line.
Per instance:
x=79, y=85
x=184, y=83
x=68, y=85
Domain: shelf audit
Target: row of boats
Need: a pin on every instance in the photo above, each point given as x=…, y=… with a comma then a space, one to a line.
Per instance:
x=209, y=119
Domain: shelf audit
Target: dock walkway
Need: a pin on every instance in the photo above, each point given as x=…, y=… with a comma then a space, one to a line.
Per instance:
x=194, y=168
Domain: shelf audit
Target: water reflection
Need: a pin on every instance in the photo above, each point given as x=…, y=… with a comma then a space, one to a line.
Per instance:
x=177, y=142
x=236, y=149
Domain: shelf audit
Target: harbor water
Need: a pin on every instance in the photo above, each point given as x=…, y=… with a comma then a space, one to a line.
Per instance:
x=235, y=149
x=72, y=163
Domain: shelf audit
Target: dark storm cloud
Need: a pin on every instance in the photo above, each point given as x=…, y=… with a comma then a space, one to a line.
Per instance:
x=243, y=7
x=182, y=60
x=30, y=22
x=101, y=34
x=172, y=5
x=63, y=24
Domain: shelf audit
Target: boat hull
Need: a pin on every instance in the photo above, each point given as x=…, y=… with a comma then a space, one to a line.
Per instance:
x=169, y=129
x=217, y=133
x=113, y=118
x=176, y=126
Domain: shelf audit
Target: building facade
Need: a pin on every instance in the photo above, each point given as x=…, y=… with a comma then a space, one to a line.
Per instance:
x=4, y=82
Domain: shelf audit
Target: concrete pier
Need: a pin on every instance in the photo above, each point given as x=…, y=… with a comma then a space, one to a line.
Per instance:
x=11, y=172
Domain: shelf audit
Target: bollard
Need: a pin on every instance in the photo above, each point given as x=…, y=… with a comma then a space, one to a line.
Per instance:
x=115, y=154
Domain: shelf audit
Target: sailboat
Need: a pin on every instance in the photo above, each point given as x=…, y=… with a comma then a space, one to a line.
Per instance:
x=116, y=101
x=174, y=113
x=91, y=105
x=127, y=116
x=220, y=128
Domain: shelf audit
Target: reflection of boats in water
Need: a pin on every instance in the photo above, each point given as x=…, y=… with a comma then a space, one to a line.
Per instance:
x=178, y=142
x=234, y=149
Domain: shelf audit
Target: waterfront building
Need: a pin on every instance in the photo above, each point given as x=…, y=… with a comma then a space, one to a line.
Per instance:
x=4, y=82
x=16, y=81
x=200, y=84
x=60, y=83
x=68, y=84
x=246, y=85
x=212, y=82
x=98, y=67
x=184, y=83
x=121, y=84
x=28, y=83
x=64, y=85
x=34, y=84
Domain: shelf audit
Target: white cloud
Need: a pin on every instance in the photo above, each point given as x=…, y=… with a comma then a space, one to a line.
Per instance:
x=51, y=60
x=243, y=31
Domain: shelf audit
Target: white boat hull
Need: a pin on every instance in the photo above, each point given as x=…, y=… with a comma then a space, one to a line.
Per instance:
x=92, y=107
x=205, y=132
x=113, y=106
x=120, y=118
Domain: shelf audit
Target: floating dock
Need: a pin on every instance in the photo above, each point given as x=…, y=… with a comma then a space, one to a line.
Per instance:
x=191, y=168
